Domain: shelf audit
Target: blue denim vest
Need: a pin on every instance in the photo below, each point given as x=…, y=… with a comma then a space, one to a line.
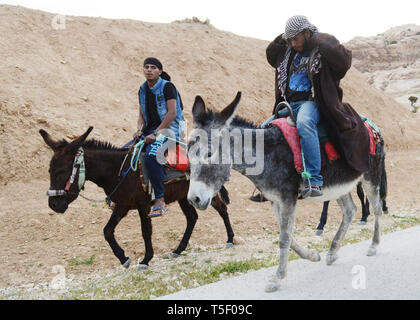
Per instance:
x=177, y=125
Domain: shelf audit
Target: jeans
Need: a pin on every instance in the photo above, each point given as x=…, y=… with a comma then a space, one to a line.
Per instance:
x=307, y=119
x=155, y=169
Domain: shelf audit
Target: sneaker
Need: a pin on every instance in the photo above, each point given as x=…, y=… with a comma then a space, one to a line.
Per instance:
x=313, y=191
x=316, y=191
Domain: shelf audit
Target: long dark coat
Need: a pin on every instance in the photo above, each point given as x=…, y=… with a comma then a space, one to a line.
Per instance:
x=343, y=124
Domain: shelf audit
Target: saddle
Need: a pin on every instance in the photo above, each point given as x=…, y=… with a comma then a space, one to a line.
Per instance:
x=176, y=169
x=327, y=148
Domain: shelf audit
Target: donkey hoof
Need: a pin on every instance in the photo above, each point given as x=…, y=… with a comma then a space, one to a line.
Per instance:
x=371, y=251
x=272, y=286
x=174, y=255
x=229, y=245
x=314, y=256
x=319, y=232
x=331, y=258
x=127, y=263
x=142, y=267
x=362, y=223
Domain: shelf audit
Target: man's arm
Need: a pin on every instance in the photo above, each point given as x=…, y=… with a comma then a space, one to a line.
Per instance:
x=170, y=116
x=338, y=57
x=275, y=50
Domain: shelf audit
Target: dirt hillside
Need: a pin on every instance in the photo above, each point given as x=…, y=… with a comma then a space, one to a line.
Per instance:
x=64, y=80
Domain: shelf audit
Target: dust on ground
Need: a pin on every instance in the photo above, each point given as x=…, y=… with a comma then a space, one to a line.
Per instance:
x=35, y=239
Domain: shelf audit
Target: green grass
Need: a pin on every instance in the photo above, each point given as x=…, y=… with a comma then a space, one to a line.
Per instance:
x=187, y=273
x=75, y=262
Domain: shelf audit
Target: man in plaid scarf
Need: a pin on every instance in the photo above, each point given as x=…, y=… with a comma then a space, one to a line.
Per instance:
x=309, y=66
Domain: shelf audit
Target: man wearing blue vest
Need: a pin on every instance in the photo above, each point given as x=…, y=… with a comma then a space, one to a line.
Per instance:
x=160, y=112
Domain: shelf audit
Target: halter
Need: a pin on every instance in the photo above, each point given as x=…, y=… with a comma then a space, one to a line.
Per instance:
x=79, y=163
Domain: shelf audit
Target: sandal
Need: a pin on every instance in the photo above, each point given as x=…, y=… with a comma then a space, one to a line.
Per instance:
x=158, y=211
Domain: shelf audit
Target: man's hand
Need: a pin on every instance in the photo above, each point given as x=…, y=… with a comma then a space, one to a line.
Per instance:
x=137, y=134
x=150, y=139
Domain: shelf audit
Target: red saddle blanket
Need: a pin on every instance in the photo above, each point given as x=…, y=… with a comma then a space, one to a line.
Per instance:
x=293, y=139
x=177, y=158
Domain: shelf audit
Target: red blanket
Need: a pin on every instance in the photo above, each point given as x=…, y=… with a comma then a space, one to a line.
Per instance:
x=293, y=139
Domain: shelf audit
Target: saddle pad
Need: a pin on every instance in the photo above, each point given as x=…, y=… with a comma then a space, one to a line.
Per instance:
x=291, y=135
x=292, y=138
x=177, y=158
x=170, y=173
x=371, y=139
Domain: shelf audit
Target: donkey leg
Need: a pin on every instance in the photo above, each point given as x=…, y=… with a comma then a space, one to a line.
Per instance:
x=349, y=209
x=146, y=231
x=311, y=255
x=286, y=214
x=365, y=205
x=222, y=210
x=191, y=215
x=372, y=193
x=323, y=219
x=117, y=214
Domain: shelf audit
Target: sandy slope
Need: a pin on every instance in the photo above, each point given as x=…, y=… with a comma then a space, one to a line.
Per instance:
x=88, y=74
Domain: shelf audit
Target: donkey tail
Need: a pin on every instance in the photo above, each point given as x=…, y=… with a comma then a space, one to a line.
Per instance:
x=383, y=189
x=224, y=194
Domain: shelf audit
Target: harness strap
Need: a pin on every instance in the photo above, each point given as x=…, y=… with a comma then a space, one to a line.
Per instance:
x=79, y=163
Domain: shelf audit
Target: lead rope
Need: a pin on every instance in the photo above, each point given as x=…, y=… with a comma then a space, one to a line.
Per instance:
x=305, y=174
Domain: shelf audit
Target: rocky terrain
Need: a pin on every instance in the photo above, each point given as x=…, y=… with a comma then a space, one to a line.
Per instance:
x=64, y=80
x=391, y=61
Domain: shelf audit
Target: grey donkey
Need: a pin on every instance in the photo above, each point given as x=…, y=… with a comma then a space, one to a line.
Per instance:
x=277, y=179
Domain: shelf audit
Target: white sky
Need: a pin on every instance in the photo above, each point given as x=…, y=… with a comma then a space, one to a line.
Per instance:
x=262, y=19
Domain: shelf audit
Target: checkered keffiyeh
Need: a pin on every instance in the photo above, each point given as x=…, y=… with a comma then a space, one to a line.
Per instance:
x=294, y=25
x=297, y=24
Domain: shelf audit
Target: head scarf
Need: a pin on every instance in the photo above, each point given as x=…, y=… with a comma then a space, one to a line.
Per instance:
x=297, y=24
x=154, y=62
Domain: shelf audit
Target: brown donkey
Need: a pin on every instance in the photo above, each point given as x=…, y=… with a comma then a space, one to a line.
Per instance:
x=100, y=162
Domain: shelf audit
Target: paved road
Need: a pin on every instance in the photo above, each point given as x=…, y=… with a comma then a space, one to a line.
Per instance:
x=394, y=273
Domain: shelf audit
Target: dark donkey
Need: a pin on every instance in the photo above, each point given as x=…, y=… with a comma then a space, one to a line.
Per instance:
x=277, y=179
x=363, y=202
x=102, y=166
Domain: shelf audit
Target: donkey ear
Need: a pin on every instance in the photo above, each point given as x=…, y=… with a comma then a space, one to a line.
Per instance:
x=74, y=145
x=199, y=107
x=228, y=113
x=53, y=144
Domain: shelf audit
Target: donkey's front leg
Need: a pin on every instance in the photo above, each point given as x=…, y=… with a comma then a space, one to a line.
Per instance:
x=286, y=214
x=118, y=213
x=146, y=231
x=349, y=209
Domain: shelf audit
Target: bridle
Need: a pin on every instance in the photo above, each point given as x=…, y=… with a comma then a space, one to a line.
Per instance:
x=78, y=164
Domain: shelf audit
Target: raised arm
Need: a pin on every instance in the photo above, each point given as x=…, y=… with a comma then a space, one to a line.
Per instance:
x=337, y=56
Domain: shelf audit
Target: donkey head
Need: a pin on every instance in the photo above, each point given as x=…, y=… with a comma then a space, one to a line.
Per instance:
x=209, y=151
x=61, y=168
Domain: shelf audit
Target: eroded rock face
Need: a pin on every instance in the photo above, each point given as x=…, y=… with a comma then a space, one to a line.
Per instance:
x=391, y=61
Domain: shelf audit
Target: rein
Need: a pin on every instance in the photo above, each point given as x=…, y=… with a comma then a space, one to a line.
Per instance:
x=79, y=164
